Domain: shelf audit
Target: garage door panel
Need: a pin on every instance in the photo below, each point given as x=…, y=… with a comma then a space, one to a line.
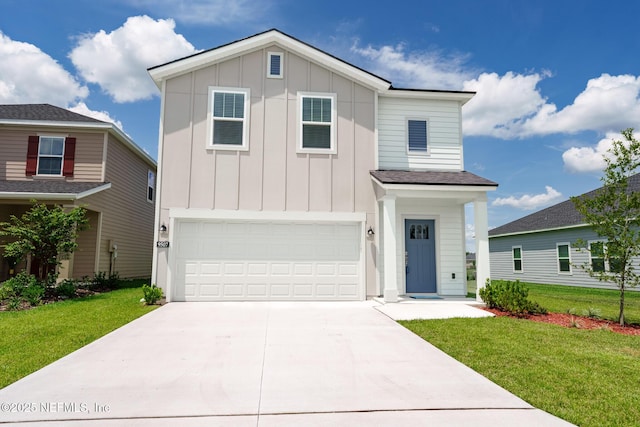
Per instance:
x=263, y=261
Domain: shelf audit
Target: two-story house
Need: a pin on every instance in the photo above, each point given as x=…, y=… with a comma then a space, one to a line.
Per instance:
x=55, y=156
x=286, y=173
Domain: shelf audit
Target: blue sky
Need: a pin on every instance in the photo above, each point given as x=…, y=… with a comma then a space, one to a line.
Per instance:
x=555, y=80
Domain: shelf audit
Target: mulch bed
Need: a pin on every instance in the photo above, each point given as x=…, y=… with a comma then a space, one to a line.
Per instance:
x=574, y=321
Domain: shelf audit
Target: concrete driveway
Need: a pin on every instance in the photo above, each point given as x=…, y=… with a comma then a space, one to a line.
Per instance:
x=262, y=364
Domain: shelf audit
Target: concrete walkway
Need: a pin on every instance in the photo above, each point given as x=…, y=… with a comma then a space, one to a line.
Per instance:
x=262, y=364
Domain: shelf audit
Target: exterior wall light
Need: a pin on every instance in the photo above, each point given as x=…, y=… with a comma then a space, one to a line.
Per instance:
x=370, y=231
x=163, y=228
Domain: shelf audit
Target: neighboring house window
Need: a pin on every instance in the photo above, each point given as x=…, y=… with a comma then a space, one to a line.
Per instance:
x=274, y=70
x=151, y=185
x=516, y=251
x=317, y=123
x=564, y=258
x=50, y=155
x=596, y=252
x=229, y=118
x=417, y=135
x=599, y=262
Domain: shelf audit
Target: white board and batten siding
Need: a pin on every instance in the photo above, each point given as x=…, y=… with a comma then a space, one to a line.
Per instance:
x=444, y=136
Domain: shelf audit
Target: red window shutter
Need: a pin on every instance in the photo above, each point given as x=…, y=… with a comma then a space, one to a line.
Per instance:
x=32, y=155
x=69, y=156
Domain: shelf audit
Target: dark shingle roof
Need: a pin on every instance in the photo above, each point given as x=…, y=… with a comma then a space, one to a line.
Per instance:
x=47, y=187
x=41, y=112
x=564, y=214
x=430, y=178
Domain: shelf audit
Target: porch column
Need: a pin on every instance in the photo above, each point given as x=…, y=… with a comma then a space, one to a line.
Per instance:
x=390, y=253
x=482, y=242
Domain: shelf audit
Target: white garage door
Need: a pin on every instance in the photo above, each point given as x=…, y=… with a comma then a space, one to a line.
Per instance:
x=238, y=261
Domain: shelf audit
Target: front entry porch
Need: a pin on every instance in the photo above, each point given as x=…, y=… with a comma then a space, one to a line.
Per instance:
x=431, y=262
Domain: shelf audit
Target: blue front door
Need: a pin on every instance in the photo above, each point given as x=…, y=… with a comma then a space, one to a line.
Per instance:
x=420, y=255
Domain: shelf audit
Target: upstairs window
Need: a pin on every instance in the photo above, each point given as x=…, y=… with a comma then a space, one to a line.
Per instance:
x=229, y=118
x=517, y=258
x=317, y=124
x=274, y=70
x=151, y=185
x=417, y=135
x=50, y=155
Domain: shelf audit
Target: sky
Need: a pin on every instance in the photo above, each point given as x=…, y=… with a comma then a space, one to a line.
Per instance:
x=555, y=81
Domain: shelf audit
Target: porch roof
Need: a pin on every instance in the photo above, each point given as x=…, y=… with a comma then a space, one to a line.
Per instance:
x=49, y=189
x=431, y=178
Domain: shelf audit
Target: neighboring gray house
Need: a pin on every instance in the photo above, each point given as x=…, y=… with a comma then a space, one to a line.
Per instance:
x=539, y=247
x=286, y=173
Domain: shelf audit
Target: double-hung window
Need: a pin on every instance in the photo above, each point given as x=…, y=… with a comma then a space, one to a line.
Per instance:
x=564, y=258
x=516, y=253
x=229, y=118
x=603, y=257
x=317, y=123
x=596, y=253
x=417, y=136
x=50, y=155
x=151, y=185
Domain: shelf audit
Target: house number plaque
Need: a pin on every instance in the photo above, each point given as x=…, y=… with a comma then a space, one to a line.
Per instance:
x=162, y=244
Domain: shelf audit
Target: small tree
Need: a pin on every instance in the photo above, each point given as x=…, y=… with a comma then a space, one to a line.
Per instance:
x=613, y=212
x=45, y=234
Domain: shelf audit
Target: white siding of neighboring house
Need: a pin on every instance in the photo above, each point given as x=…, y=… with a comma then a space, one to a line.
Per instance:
x=539, y=258
x=444, y=134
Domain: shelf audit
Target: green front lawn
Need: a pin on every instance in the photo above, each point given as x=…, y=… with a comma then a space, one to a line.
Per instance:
x=32, y=339
x=560, y=299
x=589, y=378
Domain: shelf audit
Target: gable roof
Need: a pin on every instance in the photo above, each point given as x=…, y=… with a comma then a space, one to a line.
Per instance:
x=52, y=116
x=42, y=112
x=162, y=72
x=561, y=215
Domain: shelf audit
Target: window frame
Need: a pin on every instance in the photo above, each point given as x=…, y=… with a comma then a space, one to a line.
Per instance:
x=514, y=259
x=151, y=185
x=269, y=56
x=605, y=268
x=558, y=258
x=427, y=150
x=245, y=120
x=61, y=156
x=332, y=124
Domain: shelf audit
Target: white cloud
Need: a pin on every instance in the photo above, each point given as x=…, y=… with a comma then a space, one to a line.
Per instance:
x=81, y=108
x=28, y=75
x=210, y=12
x=118, y=61
x=589, y=158
x=529, y=202
x=428, y=70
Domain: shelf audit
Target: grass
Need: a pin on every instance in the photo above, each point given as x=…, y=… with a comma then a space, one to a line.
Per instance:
x=589, y=378
x=30, y=340
x=561, y=299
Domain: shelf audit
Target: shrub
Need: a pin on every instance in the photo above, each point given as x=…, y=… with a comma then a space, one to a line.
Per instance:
x=102, y=281
x=33, y=294
x=151, y=294
x=66, y=288
x=510, y=297
x=22, y=286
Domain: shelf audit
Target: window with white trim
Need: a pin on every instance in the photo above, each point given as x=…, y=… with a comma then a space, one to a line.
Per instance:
x=229, y=118
x=50, y=155
x=274, y=65
x=417, y=135
x=151, y=185
x=516, y=253
x=564, y=257
x=317, y=123
x=603, y=258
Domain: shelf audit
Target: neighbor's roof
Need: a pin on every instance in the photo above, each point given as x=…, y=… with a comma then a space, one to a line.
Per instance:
x=49, y=190
x=52, y=116
x=42, y=112
x=430, y=178
x=258, y=41
x=562, y=215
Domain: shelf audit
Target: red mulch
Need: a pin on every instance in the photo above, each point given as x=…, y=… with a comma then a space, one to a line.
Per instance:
x=573, y=321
